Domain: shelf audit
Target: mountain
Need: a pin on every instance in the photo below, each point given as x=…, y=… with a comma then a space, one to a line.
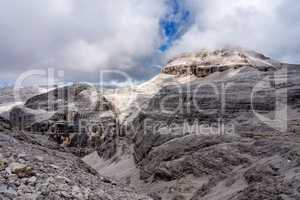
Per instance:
x=10, y=97
x=215, y=124
x=220, y=134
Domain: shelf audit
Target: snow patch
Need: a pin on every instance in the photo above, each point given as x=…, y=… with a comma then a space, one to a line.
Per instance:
x=8, y=106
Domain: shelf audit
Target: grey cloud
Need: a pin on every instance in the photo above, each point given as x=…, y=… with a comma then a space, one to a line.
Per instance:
x=80, y=37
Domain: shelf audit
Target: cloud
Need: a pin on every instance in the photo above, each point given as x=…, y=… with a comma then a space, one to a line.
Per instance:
x=83, y=37
x=270, y=26
x=79, y=37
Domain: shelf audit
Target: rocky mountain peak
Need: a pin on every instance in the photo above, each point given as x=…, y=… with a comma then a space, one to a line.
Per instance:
x=207, y=61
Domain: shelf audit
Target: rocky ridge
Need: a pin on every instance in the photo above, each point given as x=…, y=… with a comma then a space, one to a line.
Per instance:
x=206, y=62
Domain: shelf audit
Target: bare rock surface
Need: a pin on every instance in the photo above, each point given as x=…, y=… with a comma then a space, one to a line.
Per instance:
x=206, y=62
x=77, y=116
x=10, y=97
x=5, y=124
x=243, y=154
x=214, y=125
x=31, y=171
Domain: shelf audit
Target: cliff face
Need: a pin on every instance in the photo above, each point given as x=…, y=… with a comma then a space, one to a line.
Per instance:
x=77, y=116
x=213, y=132
x=211, y=138
x=4, y=124
x=206, y=62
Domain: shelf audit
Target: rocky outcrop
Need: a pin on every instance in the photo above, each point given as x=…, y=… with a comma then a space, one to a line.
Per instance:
x=5, y=125
x=21, y=118
x=11, y=97
x=207, y=62
x=77, y=116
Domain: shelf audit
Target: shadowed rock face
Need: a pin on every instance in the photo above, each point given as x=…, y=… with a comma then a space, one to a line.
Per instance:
x=10, y=97
x=4, y=125
x=77, y=116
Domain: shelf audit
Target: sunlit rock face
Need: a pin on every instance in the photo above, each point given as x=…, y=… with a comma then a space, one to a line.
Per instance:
x=206, y=62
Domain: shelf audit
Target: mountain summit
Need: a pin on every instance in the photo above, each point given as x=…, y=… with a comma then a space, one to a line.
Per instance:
x=207, y=62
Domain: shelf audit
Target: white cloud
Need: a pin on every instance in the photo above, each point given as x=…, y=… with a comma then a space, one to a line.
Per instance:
x=255, y=24
x=78, y=35
x=81, y=37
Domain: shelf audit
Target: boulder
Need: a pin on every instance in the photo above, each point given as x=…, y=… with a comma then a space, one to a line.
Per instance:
x=21, y=170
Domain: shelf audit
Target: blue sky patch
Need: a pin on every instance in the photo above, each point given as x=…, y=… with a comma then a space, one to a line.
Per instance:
x=175, y=23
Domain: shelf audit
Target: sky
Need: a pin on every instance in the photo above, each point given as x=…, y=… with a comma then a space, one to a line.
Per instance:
x=136, y=37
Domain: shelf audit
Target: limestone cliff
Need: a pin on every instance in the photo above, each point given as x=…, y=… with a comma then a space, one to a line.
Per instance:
x=206, y=62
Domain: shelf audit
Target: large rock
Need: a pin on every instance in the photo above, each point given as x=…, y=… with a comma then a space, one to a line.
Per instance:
x=20, y=170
